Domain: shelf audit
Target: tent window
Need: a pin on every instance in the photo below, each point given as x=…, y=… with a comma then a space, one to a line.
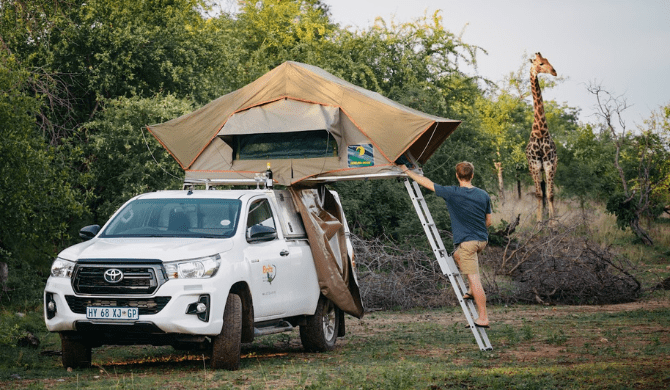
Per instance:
x=293, y=144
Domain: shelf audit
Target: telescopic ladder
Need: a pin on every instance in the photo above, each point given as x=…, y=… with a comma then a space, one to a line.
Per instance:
x=447, y=263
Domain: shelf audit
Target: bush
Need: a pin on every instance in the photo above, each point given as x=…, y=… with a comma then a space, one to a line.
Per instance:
x=19, y=339
x=24, y=287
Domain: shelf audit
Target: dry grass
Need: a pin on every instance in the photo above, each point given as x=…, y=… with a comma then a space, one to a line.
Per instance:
x=566, y=210
x=603, y=225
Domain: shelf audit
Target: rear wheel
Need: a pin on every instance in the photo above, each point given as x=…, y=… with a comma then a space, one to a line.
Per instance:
x=319, y=333
x=226, y=346
x=76, y=353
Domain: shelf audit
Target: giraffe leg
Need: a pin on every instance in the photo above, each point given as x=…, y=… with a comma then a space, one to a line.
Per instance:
x=535, y=167
x=550, y=170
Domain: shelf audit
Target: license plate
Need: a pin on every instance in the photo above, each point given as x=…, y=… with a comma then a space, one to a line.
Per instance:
x=112, y=313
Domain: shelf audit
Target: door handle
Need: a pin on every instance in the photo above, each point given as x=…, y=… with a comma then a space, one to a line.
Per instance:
x=284, y=252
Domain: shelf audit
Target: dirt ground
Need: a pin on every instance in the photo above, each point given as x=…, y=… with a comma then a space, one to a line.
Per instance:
x=516, y=317
x=585, y=336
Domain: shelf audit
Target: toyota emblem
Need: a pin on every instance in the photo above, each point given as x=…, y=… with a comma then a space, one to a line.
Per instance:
x=113, y=275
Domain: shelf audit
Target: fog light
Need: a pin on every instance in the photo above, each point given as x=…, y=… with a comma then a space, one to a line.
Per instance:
x=50, y=305
x=200, y=308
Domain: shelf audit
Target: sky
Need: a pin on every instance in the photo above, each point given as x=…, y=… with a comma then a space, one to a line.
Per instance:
x=622, y=45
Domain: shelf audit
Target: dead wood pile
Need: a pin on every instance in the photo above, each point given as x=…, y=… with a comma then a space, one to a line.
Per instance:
x=557, y=265
x=392, y=277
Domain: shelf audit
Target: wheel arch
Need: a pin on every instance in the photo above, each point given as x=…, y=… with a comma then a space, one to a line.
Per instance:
x=243, y=291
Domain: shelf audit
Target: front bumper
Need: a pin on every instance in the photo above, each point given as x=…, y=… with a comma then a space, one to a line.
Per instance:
x=175, y=297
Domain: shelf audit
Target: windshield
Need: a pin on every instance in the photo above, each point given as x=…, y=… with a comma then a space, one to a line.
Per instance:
x=210, y=218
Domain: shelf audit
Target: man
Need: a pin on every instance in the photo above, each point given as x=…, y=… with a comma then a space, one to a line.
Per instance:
x=470, y=211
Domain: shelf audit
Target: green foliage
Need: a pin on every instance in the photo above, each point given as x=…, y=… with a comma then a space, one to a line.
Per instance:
x=415, y=63
x=15, y=325
x=102, y=49
x=505, y=121
x=376, y=208
x=37, y=202
x=15, y=351
x=23, y=289
x=125, y=160
x=10, y=334
x=586, y=166
x=621, y=206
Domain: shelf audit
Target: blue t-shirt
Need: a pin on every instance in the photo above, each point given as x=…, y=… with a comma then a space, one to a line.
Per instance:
x=467, y=208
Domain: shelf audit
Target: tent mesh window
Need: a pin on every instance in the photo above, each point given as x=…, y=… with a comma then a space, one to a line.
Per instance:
x=293, y=144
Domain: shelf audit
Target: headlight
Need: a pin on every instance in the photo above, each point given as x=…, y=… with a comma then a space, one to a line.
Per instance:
x=204, y=267
x=62, y=268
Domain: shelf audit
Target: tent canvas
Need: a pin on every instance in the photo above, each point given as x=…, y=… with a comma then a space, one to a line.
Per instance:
x=307, y=123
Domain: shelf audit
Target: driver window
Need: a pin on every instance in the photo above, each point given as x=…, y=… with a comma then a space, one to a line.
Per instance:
x=260, y=213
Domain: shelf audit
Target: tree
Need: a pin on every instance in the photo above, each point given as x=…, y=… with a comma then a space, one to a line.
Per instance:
x=37, y=201
x=587, y=171
x=272, y=32
x=502, y=117
x=640, y=161
x=124, y=159
x=102, y=49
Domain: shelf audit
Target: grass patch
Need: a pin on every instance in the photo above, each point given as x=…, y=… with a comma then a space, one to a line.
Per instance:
x=617, y=346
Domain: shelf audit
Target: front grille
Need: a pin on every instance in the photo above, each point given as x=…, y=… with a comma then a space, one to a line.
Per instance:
x=145, y=305
x=89, y=278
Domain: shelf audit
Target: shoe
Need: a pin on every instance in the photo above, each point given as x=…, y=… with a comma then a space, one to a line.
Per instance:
x=478, y=326
x=468, y=296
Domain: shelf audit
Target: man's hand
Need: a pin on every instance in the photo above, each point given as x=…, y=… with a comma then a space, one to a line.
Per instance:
x=422, y=180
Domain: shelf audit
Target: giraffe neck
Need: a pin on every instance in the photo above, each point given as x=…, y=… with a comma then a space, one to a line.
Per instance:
x=540, y=129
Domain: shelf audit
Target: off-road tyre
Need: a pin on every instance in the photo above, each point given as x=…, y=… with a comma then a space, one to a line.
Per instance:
x=76, y=353
x=319, y=333
x=226, y=346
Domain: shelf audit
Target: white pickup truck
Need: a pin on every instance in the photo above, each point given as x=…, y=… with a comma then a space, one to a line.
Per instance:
x=206, y=269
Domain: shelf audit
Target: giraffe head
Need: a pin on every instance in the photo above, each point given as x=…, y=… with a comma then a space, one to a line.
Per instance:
x=541, y=65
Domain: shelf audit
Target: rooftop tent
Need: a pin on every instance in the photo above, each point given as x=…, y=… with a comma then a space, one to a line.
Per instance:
x=309, y=124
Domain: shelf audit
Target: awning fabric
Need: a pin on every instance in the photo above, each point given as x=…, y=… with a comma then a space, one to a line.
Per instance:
x=323, y=218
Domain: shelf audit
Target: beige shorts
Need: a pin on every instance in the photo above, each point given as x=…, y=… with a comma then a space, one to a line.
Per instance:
x=467, y=258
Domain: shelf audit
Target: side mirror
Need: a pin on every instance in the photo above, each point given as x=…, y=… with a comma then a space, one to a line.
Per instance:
x=261, y=233
x=89, y=232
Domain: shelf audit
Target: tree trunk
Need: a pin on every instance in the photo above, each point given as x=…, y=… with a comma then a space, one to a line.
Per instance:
x=501, y=184
x=639, y=232
x=4, y=276
x=518, y=188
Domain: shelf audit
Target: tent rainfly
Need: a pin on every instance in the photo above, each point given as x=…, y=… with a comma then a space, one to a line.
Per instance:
x=308, y=124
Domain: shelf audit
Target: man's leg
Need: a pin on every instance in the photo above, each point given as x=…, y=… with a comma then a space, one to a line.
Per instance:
x=457, y=258
x=468, y=253
x=480, y=298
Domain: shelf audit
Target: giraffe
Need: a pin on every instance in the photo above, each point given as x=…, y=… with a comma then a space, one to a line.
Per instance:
x=541, y=149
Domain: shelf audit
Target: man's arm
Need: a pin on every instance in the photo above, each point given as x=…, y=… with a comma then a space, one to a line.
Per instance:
x=422, y=180
x=488, y=220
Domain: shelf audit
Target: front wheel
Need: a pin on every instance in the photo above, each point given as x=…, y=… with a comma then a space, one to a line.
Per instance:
x=76, y=353
x=319, y=333
x=226, y=346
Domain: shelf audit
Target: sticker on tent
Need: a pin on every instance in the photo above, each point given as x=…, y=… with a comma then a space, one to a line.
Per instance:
x=360, y=156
